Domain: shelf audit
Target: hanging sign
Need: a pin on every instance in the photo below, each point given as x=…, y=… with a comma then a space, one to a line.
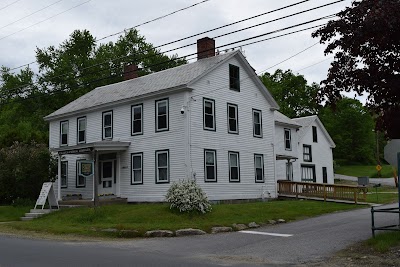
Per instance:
x=86, y=168
x=47, y=192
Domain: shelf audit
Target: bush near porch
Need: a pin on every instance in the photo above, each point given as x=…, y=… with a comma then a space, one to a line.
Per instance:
x=144, y=217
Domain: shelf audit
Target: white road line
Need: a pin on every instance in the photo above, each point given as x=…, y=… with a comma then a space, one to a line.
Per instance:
x=264, y=233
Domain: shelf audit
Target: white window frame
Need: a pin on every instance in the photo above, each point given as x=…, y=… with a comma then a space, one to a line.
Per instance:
x=262, y=168
x=230, y=153
x=235, y=118
x=80, y=130
x=214, y=152
x=66, y=175
x=307, y=170
x=211, y=114
x=78, y=167
x=158, y=102
x=107, y=126
x=62, y=123
x=133, y=119
x=158, y=181
x=286, y=139
x=256, y=111
x=136, y=169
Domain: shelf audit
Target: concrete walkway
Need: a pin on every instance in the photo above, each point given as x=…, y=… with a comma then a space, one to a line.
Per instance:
x=383, y=181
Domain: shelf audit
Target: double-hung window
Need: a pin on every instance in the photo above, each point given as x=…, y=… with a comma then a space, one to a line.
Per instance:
x=64, y=133
x=208, y=114
x=307, y=155
x=210, y=165
x=64, y=174
x=259, y=168
x=308, y=173
x=288, y=139
x=234, y=168
x=137, y=119
x=108, y=125
x=257, y=123
x=233, y=123
x=81, y=130
x=80, y=179
x=234, y=78
x=162, y=113
x=162, y=166
x=137, y=168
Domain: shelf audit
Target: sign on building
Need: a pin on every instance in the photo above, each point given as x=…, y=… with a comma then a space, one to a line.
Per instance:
x=86, y=168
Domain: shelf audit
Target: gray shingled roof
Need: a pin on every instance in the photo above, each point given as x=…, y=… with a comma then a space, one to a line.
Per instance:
x=152, y=83
x=279, y=117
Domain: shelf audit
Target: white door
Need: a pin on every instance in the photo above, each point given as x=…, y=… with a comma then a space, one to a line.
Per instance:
x=107, y=186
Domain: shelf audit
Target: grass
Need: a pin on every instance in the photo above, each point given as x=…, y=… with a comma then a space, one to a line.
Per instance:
x=143, y=217
x=384, y=241
x=10, y=213
x=365, y=170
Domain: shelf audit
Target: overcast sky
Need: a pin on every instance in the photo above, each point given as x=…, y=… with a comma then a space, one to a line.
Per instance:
x=19, y=36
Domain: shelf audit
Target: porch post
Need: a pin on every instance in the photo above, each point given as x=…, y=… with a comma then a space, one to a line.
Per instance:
x=95, y=179
x=59, y=178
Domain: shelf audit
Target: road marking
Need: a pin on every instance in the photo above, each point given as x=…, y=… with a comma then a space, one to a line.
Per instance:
x=265, y=233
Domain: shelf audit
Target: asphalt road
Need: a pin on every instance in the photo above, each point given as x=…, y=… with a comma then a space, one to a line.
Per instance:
x=311, y=240
x=383, y=181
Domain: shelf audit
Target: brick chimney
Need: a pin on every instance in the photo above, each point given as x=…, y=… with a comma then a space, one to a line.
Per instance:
x=205, y=48
x=130, y=72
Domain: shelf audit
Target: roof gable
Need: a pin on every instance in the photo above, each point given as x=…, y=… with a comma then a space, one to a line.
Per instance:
x=281, y=119
x=306, y=122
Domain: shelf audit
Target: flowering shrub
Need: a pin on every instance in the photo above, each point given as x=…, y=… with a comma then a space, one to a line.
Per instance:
x=187, y=196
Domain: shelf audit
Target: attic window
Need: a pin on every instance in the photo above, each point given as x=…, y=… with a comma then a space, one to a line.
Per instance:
x=234, y=80
x=314, y=134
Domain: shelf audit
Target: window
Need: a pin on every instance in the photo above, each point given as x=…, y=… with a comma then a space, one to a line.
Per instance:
x=324, y=175
x=162, y=115
x=234, y=80
x=234, y=169
x=137, y=119
x=81, y=130
x=289, y=171
x=307, y=156
x=259, y=167
x=210, y=165
x=107, y=125
x=208, y=114
x=288, y=139
x=257, y=123
x=314, y=134
x=64, y=174
x=308, y=173
x=64, y=133
x=233, y=126
x=162, y=166
x=80, y=179
x=137, y=168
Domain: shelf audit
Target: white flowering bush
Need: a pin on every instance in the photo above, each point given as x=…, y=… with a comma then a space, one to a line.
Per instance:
x=187, y=196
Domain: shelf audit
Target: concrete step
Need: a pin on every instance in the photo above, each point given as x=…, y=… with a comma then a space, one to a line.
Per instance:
x=26, y=218
x=33, y=215
x=43, y=211
x=36, y=213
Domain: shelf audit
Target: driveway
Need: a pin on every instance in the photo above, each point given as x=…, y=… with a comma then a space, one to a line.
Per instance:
x=297, y=243
x=383, y=181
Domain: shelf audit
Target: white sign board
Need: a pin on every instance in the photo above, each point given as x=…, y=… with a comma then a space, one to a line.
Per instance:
x=47, y=192
x=390, y=151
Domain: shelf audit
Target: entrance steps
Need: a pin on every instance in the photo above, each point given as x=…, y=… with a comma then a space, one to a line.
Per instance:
x=35, y=213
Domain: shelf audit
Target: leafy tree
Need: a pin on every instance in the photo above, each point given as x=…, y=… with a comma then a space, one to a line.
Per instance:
x=365, y=41
x=351, y=127
x=292, y=93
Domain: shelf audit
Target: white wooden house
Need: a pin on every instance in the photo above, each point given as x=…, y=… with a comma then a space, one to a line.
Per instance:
x=303, y=150
x=211, y=120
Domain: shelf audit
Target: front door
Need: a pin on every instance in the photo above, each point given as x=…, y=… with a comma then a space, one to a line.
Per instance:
x=107, y=186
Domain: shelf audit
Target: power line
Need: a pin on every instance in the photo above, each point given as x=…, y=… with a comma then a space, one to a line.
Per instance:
x=312, y=65
x=4, y=37
x=30, y=14
x=9, y=4
x=194, y=35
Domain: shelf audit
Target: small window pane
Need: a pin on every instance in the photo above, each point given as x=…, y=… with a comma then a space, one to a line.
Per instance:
x=81, y=136
x=137, y=126
x=232, y=112
x=163, y=174
x=137, y=176
x=137, y=162
x=64, y=139
x=210, y=158
x=256, y=117
x=258, y=162
x=137, y=113
x=162, y=160
x=107, y=132
x=234, y=174
x=210, y=172
x=162, y=108
x=162, y=122
x=208, y=107
x=233, y=160
x=82, y=124
x=209, y=121
x=107, y=120
x=259, y=174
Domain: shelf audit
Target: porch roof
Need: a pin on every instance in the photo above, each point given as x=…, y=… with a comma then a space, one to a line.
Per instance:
x=90, y=147
x=285, y=157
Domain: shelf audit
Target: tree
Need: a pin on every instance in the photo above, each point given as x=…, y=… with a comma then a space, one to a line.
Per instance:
x=292, y=93
x=351, y=127
x=366, y=43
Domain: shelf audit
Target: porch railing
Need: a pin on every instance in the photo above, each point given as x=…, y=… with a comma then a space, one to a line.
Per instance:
x=325, y=191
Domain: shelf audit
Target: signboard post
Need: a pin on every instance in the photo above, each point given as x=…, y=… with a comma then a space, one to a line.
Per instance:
x=47, y=192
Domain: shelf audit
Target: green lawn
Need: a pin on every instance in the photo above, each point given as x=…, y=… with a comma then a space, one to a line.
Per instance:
x=143, y=217
x=365, y=170
x=10, y=213
x=384, y=241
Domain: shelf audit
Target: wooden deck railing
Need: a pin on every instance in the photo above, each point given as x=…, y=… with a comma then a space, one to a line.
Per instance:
x=325, y=191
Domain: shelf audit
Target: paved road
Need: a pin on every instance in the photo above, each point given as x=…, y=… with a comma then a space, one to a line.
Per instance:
x=383, y=181
x=312, y=240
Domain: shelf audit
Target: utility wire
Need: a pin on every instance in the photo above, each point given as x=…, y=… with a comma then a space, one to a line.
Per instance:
x=4, y=37
x=30, y=15
x=9, y=4
x=194, y=35
x=312, y=65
